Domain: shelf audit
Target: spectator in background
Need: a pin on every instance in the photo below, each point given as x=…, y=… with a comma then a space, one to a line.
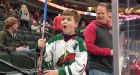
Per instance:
x=57, y=24
x=24, y=17
x=35, y=27
x=48, y=30
x=65, y=53
x=9, y=40
x=134, y=68
x=36, y=15
x=80, y=29
x=45, y=27
x=99, y=43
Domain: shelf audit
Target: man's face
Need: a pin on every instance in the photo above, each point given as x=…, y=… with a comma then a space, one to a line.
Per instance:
x=102, y=15
x=68, y=25
x=15, y=27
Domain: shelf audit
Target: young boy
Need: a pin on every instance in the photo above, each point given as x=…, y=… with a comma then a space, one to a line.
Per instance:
x=65, y=53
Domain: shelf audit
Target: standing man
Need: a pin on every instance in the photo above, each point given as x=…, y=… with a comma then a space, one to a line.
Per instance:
x=98, y=41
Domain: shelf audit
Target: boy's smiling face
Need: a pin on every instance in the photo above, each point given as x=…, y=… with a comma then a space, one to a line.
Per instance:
x=68, y=25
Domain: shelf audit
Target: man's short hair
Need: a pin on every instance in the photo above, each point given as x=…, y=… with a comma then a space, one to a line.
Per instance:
x=72, y=12
x=10, y=21
x=108, y=8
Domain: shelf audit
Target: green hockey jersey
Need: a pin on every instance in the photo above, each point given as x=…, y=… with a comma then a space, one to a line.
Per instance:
x=68, y=57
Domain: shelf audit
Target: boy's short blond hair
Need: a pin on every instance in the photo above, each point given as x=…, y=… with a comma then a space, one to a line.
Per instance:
x=10, y=21
x=72, y=12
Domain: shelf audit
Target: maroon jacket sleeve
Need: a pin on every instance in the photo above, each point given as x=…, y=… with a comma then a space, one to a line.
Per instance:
x=90, y=38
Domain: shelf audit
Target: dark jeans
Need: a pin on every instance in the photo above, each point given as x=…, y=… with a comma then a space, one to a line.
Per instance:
x=97, y=72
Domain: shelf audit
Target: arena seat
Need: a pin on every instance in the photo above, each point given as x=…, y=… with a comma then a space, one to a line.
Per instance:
x=19, y=59
x=22, y=60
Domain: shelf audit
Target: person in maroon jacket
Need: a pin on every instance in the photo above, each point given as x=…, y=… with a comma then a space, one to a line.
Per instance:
x=98, y=40
x=57, y=24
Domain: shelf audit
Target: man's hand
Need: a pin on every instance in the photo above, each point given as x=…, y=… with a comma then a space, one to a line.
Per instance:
x=41, y=43
x=51, y=72
x=111, y=52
